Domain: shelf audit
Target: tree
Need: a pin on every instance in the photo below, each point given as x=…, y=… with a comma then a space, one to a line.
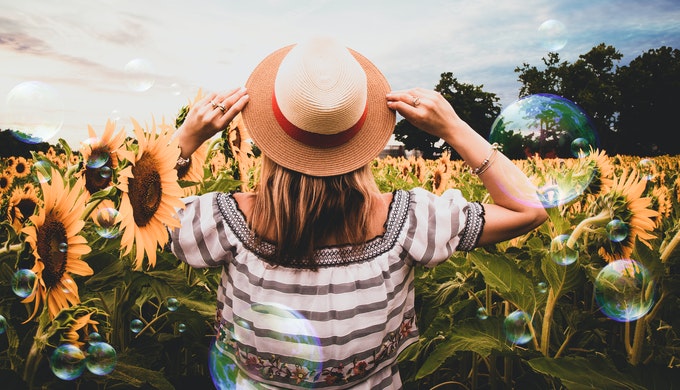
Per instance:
x=478, y=108
x=650, y=86
x=590, y=82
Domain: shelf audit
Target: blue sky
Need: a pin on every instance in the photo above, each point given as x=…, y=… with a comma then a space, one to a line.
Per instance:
x=79, y=49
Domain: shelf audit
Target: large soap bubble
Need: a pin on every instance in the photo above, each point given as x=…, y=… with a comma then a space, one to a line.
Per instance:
x=548, y=126
x=34, y=111
x=544, y=124
x=624, y=290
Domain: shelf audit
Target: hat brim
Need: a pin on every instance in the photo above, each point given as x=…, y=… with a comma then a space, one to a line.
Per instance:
x=272, y=140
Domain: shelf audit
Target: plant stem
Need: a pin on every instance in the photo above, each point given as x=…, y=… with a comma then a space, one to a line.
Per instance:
x=547, y=321
x=635, y=353
x=597, y=220
x=670, y=247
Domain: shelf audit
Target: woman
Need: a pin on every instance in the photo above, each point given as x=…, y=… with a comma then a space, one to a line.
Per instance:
x=317, y=280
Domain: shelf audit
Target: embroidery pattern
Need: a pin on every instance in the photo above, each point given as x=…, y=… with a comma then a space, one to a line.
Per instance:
x=274, y=368
x=473, y=227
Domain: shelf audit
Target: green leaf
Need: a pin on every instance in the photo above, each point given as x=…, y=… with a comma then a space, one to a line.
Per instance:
x=480, y=336
x=505, y=276
x=138, y=377
x=585, y=373
x=561, y=278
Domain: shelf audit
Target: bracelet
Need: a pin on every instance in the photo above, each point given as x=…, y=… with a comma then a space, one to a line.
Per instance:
x=487, y=161
x=183, y=162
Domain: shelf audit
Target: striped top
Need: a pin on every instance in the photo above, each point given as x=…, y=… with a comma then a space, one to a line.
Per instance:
x=340, y=326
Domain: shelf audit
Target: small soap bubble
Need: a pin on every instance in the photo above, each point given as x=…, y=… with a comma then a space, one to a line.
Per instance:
x=105, y=172
x=3, y=324
x=97, y=159
x=42, y=170
x=181, y=327
x=63, y=247
x=67, y=362
x=553, y=35
x=647, y=168
x=140, y=74
x=516, y=327
x=580, y=147
x=23, y=282
x=617, y=230
x=482, y=314
x=116, y=115
x=560, y=253
x=172, y=303
x=106, y=222
x=35, y=112
x=94, y=337
x=136, y=325
x=176, y=89
x=542, y=287
x=624, y=290
x=101, y=358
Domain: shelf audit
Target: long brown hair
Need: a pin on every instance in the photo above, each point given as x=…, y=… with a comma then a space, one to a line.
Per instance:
x=300, y=213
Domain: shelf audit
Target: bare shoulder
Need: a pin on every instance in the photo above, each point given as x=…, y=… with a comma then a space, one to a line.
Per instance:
x=245, y=201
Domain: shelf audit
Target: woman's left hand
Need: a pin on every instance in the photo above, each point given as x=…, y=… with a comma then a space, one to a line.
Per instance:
x=209, y=116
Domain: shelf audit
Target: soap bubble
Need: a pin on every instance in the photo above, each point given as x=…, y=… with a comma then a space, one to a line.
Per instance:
x=172, y=303
x=3, y=324
x=624, y=290
x=94, y=337
x=542, y=287
x=482, y=314
x=647, y=168
x=67, y=362
x=560, y=253
x=35, y=112
x=105, y=222
x=101, y=358
x=543, y=124
x=23, y=282
x=617, y=230
x=224, y=372
x=136, y=325
x=516, y=327
x=140, y=74
x=42, y=171
x=553, y=35
x=548, y=126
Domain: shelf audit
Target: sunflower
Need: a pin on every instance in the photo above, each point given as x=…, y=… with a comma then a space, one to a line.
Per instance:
x=241, y=149
x=21, y=167
x=6, y=180
x=150, y=193
x=101, y=157
x=57, y=245
x=603, y=174
x=79, y=324
x=21, y=205
x=624, y=202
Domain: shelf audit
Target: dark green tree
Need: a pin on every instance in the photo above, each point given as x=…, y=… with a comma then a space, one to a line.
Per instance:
x=478, y=108
x=590, y=82
x=650, y=86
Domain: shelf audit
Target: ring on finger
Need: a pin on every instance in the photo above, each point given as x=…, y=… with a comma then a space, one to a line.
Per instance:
x=416, y=101
x=222, y=108
x=213, y=104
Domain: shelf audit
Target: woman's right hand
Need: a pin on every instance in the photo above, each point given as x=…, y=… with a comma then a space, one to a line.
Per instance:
x=209, y=116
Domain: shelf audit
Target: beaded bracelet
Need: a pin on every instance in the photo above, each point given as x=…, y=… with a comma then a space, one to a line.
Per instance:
x=183, y=162
x=487, y=161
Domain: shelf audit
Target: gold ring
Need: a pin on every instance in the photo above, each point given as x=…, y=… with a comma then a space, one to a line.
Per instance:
x=416, y=101
x=213, y=104
x=222, y=107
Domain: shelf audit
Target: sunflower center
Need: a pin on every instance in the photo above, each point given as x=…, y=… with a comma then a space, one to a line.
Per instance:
x=26, y=208
x=145, y=191
x=4, y=182
x=98, y=177
x=52, y=249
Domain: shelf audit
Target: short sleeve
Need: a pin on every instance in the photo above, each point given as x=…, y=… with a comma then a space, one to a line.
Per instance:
x=439, y=225
x=202, y=240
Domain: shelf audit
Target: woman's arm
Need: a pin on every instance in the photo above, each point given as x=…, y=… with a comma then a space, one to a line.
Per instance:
x=516, y=208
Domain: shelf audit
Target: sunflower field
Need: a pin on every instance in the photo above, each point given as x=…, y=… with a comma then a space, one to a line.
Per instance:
x=92, y=298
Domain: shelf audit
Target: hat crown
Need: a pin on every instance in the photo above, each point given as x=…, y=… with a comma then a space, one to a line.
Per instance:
x=320, y=87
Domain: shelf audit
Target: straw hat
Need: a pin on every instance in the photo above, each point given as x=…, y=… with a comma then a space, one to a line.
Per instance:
x=318, y=108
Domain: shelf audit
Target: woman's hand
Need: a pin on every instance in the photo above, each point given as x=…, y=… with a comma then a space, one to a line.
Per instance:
x=209, y=116
x=426, y=110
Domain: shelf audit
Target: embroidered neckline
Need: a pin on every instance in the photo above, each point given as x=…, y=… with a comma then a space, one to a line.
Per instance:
x=330, y=256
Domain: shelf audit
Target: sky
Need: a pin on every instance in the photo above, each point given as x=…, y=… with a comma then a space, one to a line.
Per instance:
x=71, y=64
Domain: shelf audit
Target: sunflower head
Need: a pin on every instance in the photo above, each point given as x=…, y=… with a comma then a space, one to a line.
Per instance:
x=21, y=205
x=150, y=193
x=626, y=205
x=100, y=156
x=57, y=246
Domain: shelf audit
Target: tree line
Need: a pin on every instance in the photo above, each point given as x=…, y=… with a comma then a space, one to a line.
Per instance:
x=631, y=106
